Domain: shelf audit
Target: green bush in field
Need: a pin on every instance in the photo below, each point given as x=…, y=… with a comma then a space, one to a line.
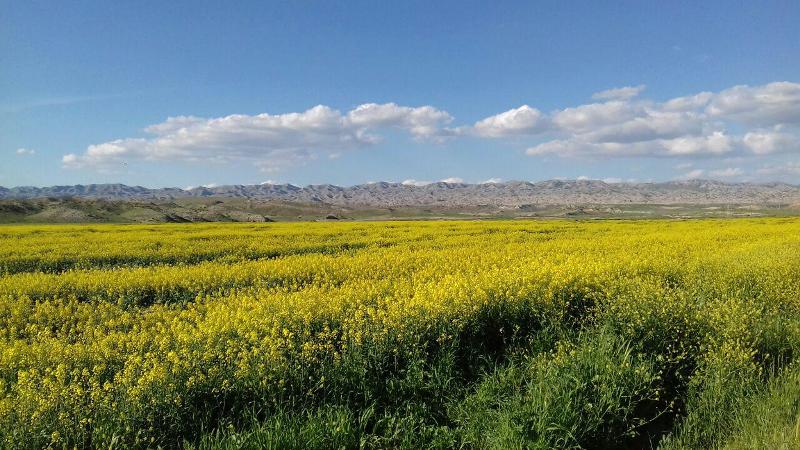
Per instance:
x=598, y=392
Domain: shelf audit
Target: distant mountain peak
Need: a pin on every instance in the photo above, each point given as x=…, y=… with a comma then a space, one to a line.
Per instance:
x=505, y=194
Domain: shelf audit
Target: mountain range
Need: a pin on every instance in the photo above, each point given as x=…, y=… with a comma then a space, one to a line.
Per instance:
x=385, y=194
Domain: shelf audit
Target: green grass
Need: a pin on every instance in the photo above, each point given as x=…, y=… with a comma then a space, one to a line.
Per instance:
x=735, y=412
x=561, y=389
x=598, y=392
x=589, y=391
x=770, y=419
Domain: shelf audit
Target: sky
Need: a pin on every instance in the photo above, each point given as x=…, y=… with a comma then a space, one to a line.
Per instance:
x=182, y=94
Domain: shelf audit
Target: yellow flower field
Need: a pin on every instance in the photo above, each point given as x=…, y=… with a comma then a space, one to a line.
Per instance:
x=184, y=335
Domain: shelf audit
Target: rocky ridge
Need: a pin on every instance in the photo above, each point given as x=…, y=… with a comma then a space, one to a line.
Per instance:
x=509, y=194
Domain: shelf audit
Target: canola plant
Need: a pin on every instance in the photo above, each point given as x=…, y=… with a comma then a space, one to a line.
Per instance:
x=143, y=336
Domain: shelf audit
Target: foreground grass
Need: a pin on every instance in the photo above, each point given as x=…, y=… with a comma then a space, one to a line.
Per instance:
x=594, y=392
x=749, y=416
x=771, y=419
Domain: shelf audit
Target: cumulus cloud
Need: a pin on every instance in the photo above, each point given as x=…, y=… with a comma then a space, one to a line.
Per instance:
x=689, y=103
x=207, y=186
x=739, y=121
x=418, y=183
x=281, y=159
x=453, y=180
x=70, y=160
x=629, y=129
x=560, y=147
x=25, y=152
x=770, y=104
x=421, y=122
x=726, y=172
x=623, y=93
x=696, y=125
x=273, y=141
x=413, y=182
x=771, y=141
x=715, y=143
x=617, y=180
x=787, y=169
x=692, y=175
x=492, y=181
x=514, y=122
x=648, y=125
x=587, y=118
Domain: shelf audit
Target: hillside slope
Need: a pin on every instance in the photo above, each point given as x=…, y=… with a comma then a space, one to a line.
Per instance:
x=510, y=194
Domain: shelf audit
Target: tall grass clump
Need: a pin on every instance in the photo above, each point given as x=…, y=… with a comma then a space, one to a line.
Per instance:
x=598, y=392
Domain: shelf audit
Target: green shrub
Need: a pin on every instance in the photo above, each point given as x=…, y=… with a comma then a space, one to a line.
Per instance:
x=597, y=393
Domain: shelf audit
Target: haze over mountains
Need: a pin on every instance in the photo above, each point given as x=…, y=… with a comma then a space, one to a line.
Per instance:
x=509, y=194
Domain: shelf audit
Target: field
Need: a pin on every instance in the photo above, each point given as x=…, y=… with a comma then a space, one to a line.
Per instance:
x=442, y=334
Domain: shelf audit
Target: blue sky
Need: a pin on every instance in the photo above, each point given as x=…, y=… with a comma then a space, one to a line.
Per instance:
x=191, y=93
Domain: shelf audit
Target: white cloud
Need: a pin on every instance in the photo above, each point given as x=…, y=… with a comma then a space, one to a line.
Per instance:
x=273, y=141
x=715, y=143
x=583, y=178
x=769, y=104
x=281, y=159
x=587, y=118
x=734, y=122
x=689, y=103
x=577, y=147
x=649, y=125
x=519, y=121
x=174, y=124
x=70, y=160
x=25, y=152
x=694, y=125
x=623, y=93
x=207, y=185
x=559, y=147
x=612, y=180
x=726, y=173
x=771, y=141
x=421, y=122
x=492, y=181
x=787, y=169
x=453, y=180
x=692, y=174
x=413, y=182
